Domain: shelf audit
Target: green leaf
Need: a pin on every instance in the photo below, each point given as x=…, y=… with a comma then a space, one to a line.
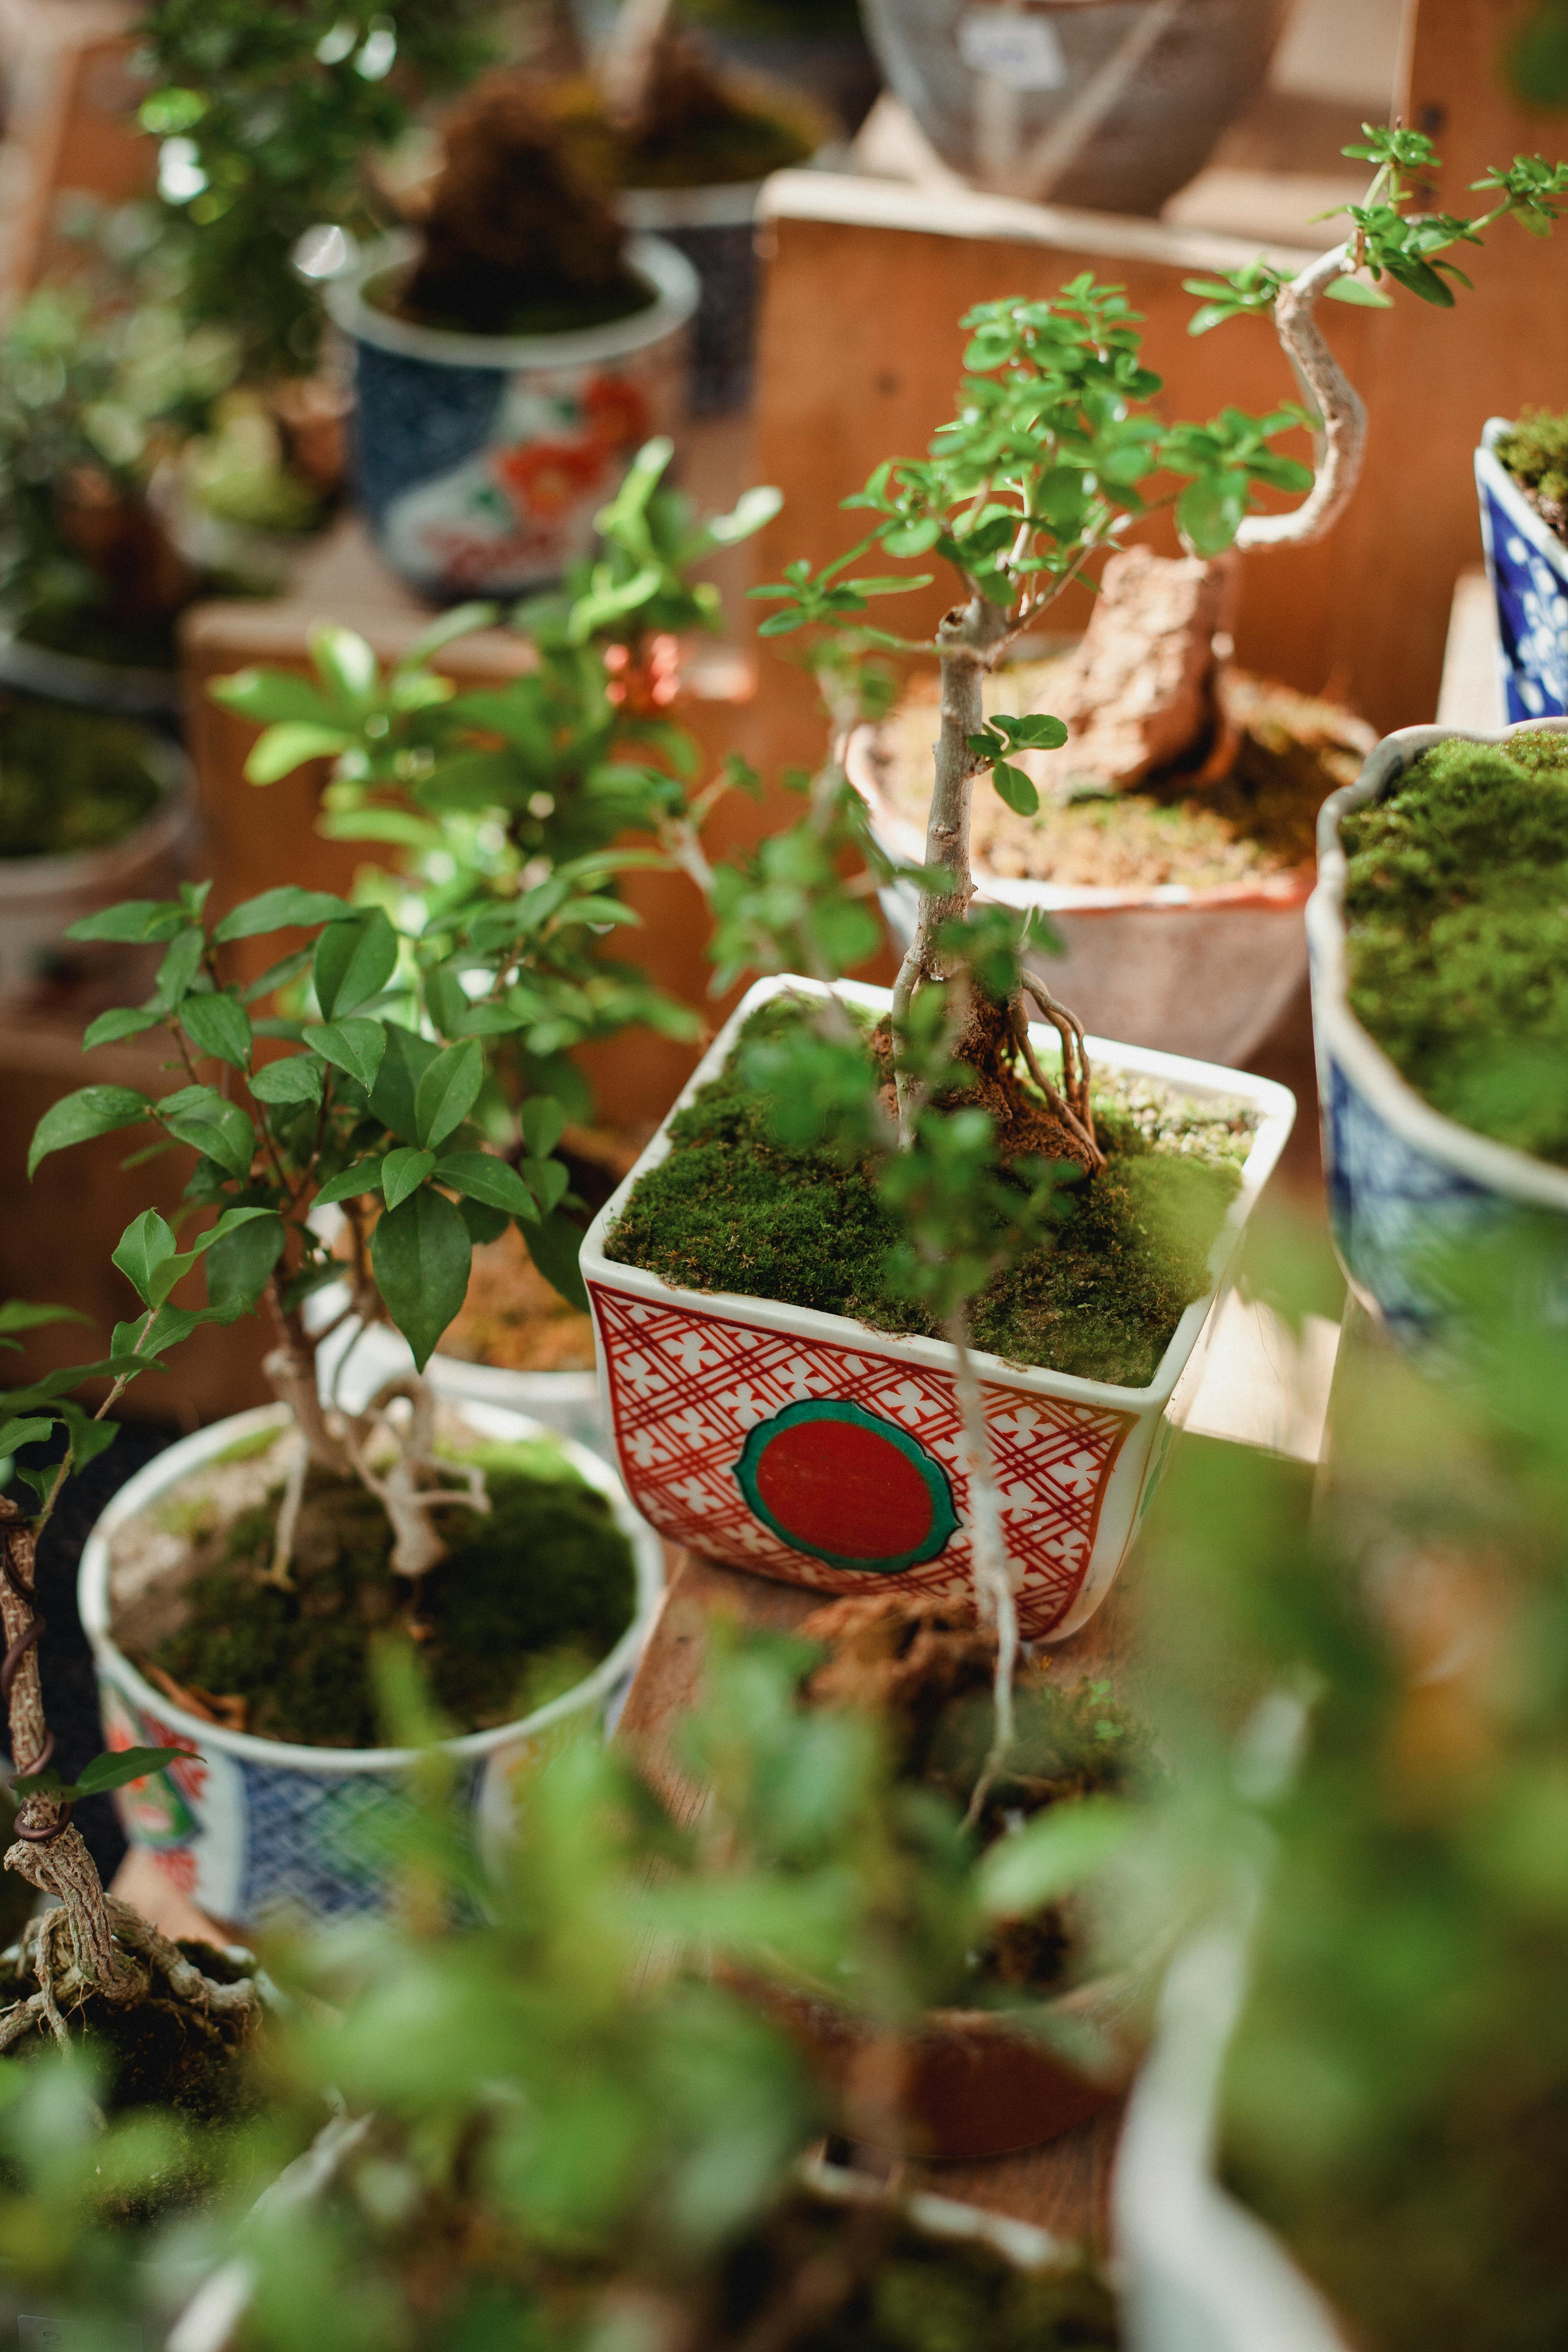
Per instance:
x=913, y=538
x=1016, y=788
x=406, y=1059
x=15, y=1434
x=355, y=1047
x=354, y=961
x=484, y=1224
x=178, y=970
x=277, y=910
x=1357, y=289
x=268, y=696
x=1211, y=510
x=124, y=1021
x=134, y=919
x=482, y=1177
x=1421, y=280
x=297, y=1078
x=460, y=622
x=239, y=1259
x=403, y=1172
x=1050, y=1854
x=218, y=1025
x=448, y=1092
x=364, y=1176
x=543, y=1123
x=548, y=1181
x=556, y=1245
x=146, y=1251
x=420, y=1253
x=91, y=1110
x=199, y=1116
x=123, y=1765
x=1036, y=731
x=22, y=1315
x=346, y=664
x=283, y=749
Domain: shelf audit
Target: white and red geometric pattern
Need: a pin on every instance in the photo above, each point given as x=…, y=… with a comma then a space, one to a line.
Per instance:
x=686, y=1388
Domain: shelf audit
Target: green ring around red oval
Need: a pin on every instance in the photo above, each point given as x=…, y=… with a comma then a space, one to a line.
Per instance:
x=848, y=1487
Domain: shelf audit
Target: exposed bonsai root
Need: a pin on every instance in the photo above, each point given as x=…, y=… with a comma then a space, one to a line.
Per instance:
x=145, y=1968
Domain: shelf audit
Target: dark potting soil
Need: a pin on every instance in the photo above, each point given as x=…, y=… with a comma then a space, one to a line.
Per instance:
x=528, y=1597
x=732, y=1209
x=925, y=1669
x=1457, y=914
x=70, y=780
x=91, y=635
x=546, y=314
x=1535, y=452
x=906, y=2292
x=730, y=138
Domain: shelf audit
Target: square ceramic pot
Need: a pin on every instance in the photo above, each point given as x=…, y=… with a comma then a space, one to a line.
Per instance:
x=810, y=1448
x=1527, y=564
x=1406, y=1184
x=250, y=1828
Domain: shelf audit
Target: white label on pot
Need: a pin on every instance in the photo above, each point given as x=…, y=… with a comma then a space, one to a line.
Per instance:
x=1022, y=51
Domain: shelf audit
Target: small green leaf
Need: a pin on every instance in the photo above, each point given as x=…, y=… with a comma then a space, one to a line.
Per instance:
x=297, y=1078
x=239, y=1259
x=144, y=1253
x=1016, y=788
x=354, y=1046
x=403, y=1172
x=1049, y=1855
x=482, y=1177
x=22, y=1315
x=364, y=1176
x=132, y=920
x=543, y=1124
x=14, y=1434
x=346, y=664
x=124, y=1021
x=268, y=696
x=448, y=1092
x=1357, y=289
x=406, y=1059
x=198, y=1115
x=219, y=1025
x=91, y=1110
x=122, y=1764
x=555, y=1247
x=179, y=968
x=285, y=748
x=420, y=1253
x=277, y=910
x=354, y=961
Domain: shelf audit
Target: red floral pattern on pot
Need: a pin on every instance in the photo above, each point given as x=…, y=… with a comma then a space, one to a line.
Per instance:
x=688, y=1390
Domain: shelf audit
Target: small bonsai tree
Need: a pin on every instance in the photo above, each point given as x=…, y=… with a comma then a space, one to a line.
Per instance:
x=1044, y=470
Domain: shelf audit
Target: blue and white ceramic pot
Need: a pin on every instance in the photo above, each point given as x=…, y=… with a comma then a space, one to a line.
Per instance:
x=248, y=1828
x=1527, y=564
x=1406, y=1184
x=481, y=460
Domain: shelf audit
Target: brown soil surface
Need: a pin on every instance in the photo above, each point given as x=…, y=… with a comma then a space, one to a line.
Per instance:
x=1260, y=820
x=514, y=1320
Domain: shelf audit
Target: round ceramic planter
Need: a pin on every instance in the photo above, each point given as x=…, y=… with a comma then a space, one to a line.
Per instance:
x=1206, y=972
x=1070, y=101
x=116, y=688
x=249, y=1827
x=1527, y=564
x=352, y=1364
x=40, y=897
x=1406, y=1184
x=699, y=1386
x=481, y=460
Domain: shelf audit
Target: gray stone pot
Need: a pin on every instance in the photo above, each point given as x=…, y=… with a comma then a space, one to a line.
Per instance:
x=1110, y=104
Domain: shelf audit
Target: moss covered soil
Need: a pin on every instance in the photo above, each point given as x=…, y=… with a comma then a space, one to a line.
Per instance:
x=1457, y=915
x=1535, y=452
x=731, y=1209
x=528, y=1597
x=70, y=780
x=744, y=137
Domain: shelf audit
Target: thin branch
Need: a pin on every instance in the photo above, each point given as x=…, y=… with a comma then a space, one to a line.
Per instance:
x=1340, y=439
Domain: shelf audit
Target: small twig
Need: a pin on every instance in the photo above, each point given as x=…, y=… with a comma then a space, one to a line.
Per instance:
x=994, y=1596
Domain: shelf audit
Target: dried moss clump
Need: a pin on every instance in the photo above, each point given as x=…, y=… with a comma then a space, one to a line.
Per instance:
x=732, y=1210
x=69, y=780
x=547, y=1575
x=518, y=239
x=1456, y=906
x=1535, y=452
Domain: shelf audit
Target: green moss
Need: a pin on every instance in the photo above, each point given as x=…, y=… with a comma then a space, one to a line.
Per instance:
x=70, y=780
x=1457, y=908
x=544, y=1578
x=736, y=142
x=729, y=1209
x=1535, y=452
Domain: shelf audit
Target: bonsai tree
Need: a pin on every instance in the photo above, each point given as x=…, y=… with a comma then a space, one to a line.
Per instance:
x=91, y=1956
x=1044, y=470
x=266, y=119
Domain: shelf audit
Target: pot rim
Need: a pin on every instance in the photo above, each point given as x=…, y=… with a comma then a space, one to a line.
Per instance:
x=1493, y=474
x=83, y=869
x=117, y=689
x=674, y=281
x=1276, y=1108
x=493, y=1383
x=1282, y=892
x=1494, y=1167
x=191, y=1453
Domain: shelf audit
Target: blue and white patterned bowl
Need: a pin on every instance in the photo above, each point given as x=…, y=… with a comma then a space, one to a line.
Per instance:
x=251, y=1828
x=1527, y=564
x=481, y=460
x=1406, y=1184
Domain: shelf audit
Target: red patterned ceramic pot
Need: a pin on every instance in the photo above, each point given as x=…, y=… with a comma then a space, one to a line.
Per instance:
x=813, y=1449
